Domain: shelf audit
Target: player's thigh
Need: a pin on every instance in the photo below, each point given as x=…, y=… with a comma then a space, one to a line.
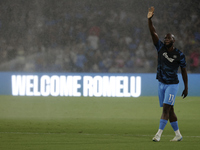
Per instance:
x=170, y=94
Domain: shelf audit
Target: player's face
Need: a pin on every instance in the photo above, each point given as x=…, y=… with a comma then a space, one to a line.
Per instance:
x=168, y=40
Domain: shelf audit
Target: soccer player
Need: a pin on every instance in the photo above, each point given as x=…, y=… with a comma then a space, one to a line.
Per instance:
x=169, y=60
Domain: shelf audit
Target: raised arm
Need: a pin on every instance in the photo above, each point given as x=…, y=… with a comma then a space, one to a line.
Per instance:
x=154, y=35
x=185, y=81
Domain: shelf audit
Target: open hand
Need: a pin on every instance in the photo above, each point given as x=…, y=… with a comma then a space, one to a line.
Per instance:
x=150, y=13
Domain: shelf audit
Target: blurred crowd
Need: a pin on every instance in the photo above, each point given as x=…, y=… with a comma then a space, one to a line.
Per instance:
x=93, y=35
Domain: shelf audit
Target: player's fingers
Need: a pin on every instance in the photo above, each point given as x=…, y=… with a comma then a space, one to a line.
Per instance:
x=152, y=9
x=184, y=94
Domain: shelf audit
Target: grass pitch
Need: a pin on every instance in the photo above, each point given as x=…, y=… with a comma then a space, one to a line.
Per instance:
x=83, y=123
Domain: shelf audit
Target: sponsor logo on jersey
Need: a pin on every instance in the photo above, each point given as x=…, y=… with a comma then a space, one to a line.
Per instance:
x=167, y=57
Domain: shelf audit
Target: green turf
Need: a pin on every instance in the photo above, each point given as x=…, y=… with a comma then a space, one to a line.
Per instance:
x=57, y=123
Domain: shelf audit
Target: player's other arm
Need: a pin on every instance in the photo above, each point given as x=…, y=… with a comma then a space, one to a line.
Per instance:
x=152, y=29
x=185, y=81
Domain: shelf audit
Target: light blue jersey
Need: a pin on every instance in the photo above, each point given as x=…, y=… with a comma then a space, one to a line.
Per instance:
x=167, y=93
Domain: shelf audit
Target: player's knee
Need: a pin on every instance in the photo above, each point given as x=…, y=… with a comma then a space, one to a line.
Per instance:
x=171, y=110
x=166, y=109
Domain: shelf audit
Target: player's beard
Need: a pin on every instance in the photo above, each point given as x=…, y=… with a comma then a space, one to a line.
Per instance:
x=169, y=45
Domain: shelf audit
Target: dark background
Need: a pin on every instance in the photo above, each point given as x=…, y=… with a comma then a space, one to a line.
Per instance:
x=94, y=35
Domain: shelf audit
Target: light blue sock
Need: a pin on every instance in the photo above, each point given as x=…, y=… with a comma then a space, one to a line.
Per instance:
x=162, y=124
x=174, y=125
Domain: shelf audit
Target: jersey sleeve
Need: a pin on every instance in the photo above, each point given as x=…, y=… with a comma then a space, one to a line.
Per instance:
x=182, y=61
